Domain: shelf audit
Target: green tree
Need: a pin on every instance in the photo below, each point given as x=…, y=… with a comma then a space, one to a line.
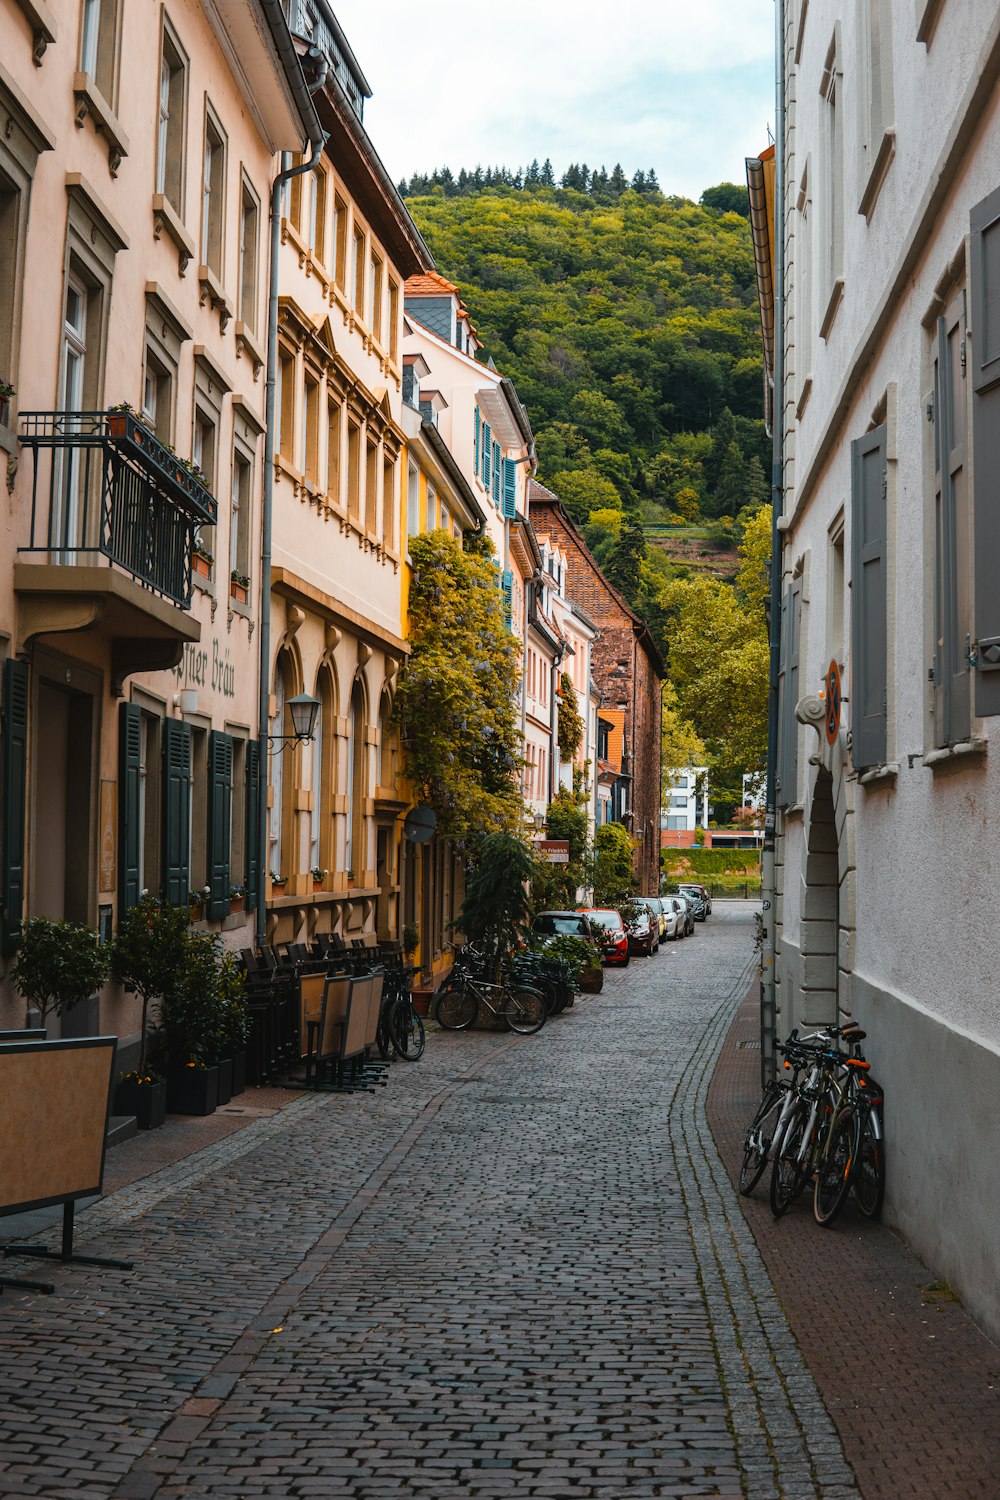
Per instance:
x=570, y=728
x=728, y=198
x=624, y=566
x=583, y=490
x=495, y=911
x=147, y=954
x=681, y=744
x=614, y=883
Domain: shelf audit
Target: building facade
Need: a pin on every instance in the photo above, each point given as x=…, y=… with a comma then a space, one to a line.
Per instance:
x=890, y=687
x=135, y=173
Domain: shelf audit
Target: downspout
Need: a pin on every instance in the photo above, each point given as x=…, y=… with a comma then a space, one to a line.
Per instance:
x=318, y=141
x=768, y=997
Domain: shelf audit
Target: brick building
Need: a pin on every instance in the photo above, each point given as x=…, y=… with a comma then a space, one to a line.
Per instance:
x=627, y=669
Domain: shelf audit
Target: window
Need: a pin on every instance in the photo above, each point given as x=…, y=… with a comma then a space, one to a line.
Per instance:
x=804, y=290
x=830, y=236
x=241, y=489
x=356, y=786
x=285, y=405
x=358, y=272
x=388, y=501
x=11, y=272
x=340, y=240
x=249, y=234
x=309, y=465
x=170, y=130
x=353, y=468
x=371, y=489
x=213, y=195
x=98, y=44
x=432, y=509
x=836, y=580
x=869, y=645
x=952, y=539
x=877, y=98
x=412, y=500
x=157, y=397
x=375, y=295
x=393, y=321
x=203, y=446
x=317, y=216
x=333, y=437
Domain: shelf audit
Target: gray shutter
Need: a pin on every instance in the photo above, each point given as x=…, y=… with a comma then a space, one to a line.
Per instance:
x=253, y=825
x=15, y=787
x=788, y=742
x=129, y=805
x=869, y=641
x=176, y=811
x=952, y=623
x=984, y=312
x=220, y=821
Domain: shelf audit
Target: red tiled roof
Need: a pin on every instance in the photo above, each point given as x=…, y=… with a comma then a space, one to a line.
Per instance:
x=430, y=284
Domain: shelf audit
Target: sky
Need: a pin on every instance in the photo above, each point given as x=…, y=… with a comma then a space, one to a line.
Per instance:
x=683, y=86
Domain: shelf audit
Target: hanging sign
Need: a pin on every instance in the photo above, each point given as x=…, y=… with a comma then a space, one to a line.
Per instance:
x=833, y=702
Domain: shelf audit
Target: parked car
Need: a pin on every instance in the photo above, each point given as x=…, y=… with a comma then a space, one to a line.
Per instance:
x=609, y=928
x=699, y=890
x=655, y=906
x=687, y=902
x=644, y=933
x=676, y=913
x=561, y=924
x=693, y=894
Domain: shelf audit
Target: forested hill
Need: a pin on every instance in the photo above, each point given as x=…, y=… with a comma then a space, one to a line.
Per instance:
x=628, y=322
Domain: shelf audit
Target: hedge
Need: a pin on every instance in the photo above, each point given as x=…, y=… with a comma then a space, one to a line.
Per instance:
x=711, y=861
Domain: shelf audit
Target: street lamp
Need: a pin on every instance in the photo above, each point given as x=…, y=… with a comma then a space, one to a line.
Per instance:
x=303, y=710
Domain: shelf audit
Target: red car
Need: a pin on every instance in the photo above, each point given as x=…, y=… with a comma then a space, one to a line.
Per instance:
x=609, y=929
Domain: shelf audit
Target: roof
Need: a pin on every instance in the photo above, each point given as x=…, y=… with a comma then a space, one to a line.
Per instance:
x=430, y=284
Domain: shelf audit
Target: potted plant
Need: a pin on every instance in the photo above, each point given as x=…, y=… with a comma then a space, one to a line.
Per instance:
x=583, y=959
x=410, y=938
x=191, y=1027
x=235, y=1022
x=239, y=586
x=278, y=883
x=145, y=956
x=7, y=393
x=237, y=898
x=196, y=902
x=58, y=965
x=201, y=560
x=319, y=877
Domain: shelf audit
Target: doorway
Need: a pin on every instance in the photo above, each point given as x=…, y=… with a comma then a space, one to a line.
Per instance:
x=62, y=860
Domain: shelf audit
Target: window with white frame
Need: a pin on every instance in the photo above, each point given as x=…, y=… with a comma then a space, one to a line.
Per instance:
x=171, y=121
x=213, y=195
x=830, y=230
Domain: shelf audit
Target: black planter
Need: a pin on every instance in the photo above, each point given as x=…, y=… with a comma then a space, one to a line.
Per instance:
x=239, y=1072
x=192, y=1091
x=225, y=1067
x=147, y=1101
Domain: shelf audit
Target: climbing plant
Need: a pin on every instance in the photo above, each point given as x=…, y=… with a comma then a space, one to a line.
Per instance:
x=455, y=704
x=570, y=722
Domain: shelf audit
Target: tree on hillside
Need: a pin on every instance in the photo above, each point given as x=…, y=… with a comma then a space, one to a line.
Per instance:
x=624, y=565
x=583, y=490
x=728, y=198
x=681, y=744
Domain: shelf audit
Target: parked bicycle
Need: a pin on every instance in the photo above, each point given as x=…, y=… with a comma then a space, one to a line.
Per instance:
x=400, y=1029
x=466, y=991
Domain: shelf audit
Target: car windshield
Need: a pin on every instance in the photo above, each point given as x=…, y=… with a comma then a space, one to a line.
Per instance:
x=651, y=902
x=557, y=924
x=610, y=920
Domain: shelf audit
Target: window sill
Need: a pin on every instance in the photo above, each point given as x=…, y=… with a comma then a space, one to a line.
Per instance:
x=237, y=607
x=203, y=585
x=927, y=18
x=212, y=292
x=804, y=395
x=165, y=217
x=885, y=773
x=881, y=163
x=43, y=27
x=973, y=748
x=832, y=308
x=90, y=101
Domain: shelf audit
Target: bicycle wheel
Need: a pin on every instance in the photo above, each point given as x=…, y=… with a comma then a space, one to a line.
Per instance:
x=455, y=1009
x=869, y=1179
x=408, y=1035
x=383, y=1034
x=760, y=1132
x=524, y=1010
x=835, y=1169
x=788, y=1173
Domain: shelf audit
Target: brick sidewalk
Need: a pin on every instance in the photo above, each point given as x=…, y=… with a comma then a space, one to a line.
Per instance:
x=911, y=1383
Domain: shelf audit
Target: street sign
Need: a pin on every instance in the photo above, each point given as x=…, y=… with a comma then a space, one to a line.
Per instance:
x=556, y=851
x=833, y=702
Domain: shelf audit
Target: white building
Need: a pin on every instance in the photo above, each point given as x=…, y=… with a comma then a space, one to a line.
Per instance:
x=687, y=808
x=887, y=871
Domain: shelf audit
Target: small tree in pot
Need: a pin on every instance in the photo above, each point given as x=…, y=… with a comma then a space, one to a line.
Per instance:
x=495, y=912
x=191, y=1027
x=146, y=954
x=58, y=965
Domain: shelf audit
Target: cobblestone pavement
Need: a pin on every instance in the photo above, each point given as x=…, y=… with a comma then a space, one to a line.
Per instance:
x=518, y=1270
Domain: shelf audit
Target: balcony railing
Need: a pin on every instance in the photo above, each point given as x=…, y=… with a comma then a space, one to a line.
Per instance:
x=104, y=486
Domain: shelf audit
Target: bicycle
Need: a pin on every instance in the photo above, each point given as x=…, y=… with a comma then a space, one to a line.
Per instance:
x=803, y=1145
x=458, y=1003
x=852, y=1156
x=400, y=1030
x=770, y=1119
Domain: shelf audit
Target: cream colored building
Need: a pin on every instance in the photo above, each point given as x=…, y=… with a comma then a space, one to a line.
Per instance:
x=136, y=163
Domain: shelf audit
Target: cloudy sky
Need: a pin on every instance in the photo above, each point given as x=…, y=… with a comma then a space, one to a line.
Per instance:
x=684, y=86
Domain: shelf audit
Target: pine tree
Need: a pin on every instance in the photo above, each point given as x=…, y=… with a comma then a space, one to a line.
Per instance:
x=617, y=182
x=730, y=492
x=639, y=181
x=548, y=177
x=652, y=184
x=624, y=567
x=533, y=174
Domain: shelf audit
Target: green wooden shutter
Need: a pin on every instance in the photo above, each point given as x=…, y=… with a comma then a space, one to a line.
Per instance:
x=496, y=475
x=507, y=589
x=869, y=644
x=487, y=441
x=129, y=806
x=253, y=825
x=984, y=313
x=15, y=789
x=509, y=488
x=176, y=811
x=220, y=821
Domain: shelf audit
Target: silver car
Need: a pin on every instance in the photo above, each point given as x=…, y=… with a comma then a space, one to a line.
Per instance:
x=676, y=912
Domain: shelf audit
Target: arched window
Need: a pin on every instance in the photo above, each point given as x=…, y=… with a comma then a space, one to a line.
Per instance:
x=282, y=693
x=356, y=778
x=321, y=850
x=388, y=744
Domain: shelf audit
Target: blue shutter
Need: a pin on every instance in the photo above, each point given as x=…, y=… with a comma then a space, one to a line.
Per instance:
x=475, y=461
x=253, y=825
x=496, y=475
x=129, y=820
x=15, y=781
x=176, y=811
x=509, y=488
x=220, y=808
x=487, y=449
x=507, y=589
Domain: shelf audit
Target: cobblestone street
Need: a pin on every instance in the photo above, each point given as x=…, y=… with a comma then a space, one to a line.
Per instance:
x=517, y=1270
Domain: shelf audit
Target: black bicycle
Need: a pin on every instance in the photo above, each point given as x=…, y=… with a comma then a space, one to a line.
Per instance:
x=458, y=1002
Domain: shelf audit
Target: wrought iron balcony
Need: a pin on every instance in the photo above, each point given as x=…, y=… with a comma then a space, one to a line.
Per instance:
x=104, y=486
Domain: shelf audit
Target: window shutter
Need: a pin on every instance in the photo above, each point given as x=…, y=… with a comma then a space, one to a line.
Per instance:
x=869, y=646
x=509, y=488
x=984, y=312
x=496, y=475
x=253, y=825
x=487, y=442
x=952, y=614
x=220, y=821
x=129, y=806
x=507, y=589
x=15, y=785
x=176, y=811
x=788, y=746
x=475, y=463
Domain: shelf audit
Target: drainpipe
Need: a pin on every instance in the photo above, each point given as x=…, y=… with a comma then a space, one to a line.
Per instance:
x=318, y=141
x=768, y=998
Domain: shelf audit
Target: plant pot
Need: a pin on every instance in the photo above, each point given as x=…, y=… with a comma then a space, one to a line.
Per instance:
x=201, y=565
x=239, y=1072
x=237, y=903
x=592, y=980
x=238, y=591
x=147, y=1101
x=318, y=887
x=192, y=1091
x=196, y=911
x=117, y=424
x=278, y=887
x=225, y=1089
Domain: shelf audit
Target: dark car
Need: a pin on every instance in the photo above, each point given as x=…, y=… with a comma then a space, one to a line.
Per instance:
x=643, y=933
x=561, y=924
x=699, y=906
x=609, y=929
x=698, y=890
